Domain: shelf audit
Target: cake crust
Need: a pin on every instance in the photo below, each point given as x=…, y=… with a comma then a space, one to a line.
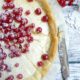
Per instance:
x=41, y=72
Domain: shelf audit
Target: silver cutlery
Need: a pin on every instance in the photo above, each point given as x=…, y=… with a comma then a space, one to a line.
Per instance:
x=63, y=56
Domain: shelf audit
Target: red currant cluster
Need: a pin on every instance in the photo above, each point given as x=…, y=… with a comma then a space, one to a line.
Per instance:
x=17, y=38
x=63, y=3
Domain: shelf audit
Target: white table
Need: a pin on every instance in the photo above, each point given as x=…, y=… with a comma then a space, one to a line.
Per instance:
x=72, y=18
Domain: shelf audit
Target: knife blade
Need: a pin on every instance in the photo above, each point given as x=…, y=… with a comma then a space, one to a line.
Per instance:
x=63, y=56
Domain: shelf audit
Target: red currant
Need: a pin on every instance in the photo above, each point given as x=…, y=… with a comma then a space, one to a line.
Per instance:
x=5, y=6
x=19, y=76
x=16, y=65
x=8, y=1
x=38, y=11
x=45, y=57
x=4, y=67
x=39, y=30
x=45, y=18
x=62, y=2
x=40, y=64
x=27, y=12
x=11, y=5
x=29, y=0
x=71, y=2
x=11, y=77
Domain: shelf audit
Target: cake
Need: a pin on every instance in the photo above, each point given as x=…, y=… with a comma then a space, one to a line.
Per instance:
x=28, y=39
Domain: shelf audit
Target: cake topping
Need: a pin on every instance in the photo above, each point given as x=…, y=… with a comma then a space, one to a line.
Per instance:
x=3, y=56
x=20, y=9
x=3, y=67
x=11, y=5
x=1, y=50
x=19, y=76
x=11, y=77
x=39, y=30
x=16, y=65
x=5, y=6
x=45, y=18
x=1, y=62
x=45, y=57
x=38, y=11
x=17, y=11
x=27, y=12
x=8, y=69
x=18, y=18
x=24, y=21
x=8, y=5
x=24, y=50
x=30, y=39
x=20, y=40
x=8, y=1
x=29, y=0
x=26, y=45
x=40, y=64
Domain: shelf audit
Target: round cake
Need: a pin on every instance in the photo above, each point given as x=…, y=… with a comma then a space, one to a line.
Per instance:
x=28, y=39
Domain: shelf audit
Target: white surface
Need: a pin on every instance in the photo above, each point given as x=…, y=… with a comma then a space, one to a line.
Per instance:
x=72, y=18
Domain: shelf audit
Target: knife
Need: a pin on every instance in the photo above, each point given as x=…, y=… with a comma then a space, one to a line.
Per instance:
x=63, y=56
